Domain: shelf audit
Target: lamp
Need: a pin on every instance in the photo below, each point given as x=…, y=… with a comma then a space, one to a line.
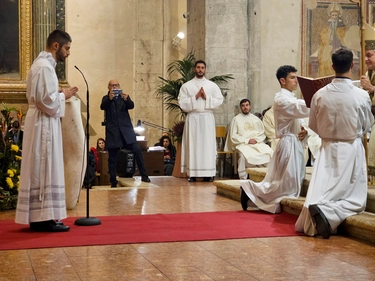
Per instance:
x=177, y=39
x=141, y=128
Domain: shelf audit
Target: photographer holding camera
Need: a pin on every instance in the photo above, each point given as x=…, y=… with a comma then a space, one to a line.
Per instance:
x=119, y=131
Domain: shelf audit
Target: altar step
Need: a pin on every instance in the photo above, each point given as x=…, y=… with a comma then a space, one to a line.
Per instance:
x=360, y=226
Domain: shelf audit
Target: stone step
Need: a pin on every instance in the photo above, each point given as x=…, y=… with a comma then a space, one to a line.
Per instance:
x=360, y=226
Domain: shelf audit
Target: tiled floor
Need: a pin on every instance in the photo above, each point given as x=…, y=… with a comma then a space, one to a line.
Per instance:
x=286, y=258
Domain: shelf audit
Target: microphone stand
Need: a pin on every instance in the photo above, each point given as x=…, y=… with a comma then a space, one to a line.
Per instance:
x=87, y=221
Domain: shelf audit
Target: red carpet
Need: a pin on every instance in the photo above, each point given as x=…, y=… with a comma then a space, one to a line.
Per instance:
x=151, y=229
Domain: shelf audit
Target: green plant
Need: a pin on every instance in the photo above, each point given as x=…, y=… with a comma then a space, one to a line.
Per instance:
x=10, y=162
x=168, y=88
x=178, y=129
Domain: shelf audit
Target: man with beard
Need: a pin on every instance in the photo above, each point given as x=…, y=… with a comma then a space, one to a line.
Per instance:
x=247, y=137
x=286, y=169
x=198, y=97
x=41, y=198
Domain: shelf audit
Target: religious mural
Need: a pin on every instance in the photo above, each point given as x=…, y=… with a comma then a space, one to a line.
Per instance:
x=327, y=27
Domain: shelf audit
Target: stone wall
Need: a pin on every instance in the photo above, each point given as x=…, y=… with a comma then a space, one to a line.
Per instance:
x=125, y=40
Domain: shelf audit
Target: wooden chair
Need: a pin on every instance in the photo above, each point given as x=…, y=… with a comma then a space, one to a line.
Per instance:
x=221, y=134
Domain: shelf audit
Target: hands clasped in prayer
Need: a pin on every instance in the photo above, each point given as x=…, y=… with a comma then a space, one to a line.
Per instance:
x=201, y=94
x=69, y=92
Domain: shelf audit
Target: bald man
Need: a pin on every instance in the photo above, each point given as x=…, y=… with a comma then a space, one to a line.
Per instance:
x=119, y=131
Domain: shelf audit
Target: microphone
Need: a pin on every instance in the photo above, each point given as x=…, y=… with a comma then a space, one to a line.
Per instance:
x=84, y=78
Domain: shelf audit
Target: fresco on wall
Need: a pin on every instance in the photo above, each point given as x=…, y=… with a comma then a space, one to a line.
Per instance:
x=327, y=27
x=9, y=39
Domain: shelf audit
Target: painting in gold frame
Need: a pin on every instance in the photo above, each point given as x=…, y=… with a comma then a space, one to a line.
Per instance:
x=13, y=82
x=325, y=28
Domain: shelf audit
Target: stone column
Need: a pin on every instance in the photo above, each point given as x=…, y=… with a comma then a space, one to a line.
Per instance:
x=218, y=33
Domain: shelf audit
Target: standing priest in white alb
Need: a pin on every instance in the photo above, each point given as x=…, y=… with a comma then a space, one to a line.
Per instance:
x=247, y=137
x=286, y=169
x=198, y=97
x=340, y=115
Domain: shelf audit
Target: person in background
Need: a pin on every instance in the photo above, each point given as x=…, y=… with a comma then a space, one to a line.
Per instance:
x=246, y=137
x=340, y=114
x=41, y=198
x=119, y=131
x=100, y=146
x=169, y=155
x=199, y=97
x=17, y=134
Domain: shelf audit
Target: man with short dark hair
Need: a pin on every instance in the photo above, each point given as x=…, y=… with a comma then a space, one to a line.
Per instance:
x=246, y=137
x=286, y=170
x=340, y=114
x=198, y=97
x=41, y=198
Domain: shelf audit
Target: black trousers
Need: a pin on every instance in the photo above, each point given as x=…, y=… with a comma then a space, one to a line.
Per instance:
x=112, y=158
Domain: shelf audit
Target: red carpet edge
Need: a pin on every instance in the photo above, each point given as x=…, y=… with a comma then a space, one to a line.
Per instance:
x=152, y=228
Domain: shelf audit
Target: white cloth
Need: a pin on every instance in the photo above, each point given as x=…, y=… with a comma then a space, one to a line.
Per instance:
x=242, y=129
x=340, y=115
x=198, y=157
x=286, y=169
x=269, y=128
x=42, y=190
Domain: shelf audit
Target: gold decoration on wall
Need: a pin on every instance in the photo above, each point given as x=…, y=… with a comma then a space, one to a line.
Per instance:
x=13, y=87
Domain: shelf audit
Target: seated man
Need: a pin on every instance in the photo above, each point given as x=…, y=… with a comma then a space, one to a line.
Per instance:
x=269, y=127
x=246, y=135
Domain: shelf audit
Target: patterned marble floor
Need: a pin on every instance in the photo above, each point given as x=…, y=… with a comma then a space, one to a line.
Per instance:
x=284, y=258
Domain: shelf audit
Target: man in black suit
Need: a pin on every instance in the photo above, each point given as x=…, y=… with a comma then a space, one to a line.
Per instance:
x=119, y=131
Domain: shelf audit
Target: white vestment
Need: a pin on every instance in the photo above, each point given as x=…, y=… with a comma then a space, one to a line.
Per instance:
x=198, y=157
x=286, y=169
x=242, y=129
x=269, y=128
x=340, y=115
x=42, y=189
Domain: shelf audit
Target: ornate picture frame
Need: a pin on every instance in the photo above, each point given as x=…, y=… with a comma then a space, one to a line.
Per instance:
x=13, y=85
x=330, y=25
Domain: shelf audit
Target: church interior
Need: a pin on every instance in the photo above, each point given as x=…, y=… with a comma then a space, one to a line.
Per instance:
x=134, y=42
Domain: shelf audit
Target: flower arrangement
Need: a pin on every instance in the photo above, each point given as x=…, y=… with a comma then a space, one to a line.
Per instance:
x=10, y=161
x=178, y=129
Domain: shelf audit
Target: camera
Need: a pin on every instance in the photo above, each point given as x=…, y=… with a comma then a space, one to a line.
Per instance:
x=117, y=92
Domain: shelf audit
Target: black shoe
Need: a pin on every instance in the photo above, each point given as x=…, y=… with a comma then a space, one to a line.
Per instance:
x=244, y=199
x=113, y=185
x=192, y=179
x=208, y=179
x=145, y=179
x=49, y=226
x=321, y=223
